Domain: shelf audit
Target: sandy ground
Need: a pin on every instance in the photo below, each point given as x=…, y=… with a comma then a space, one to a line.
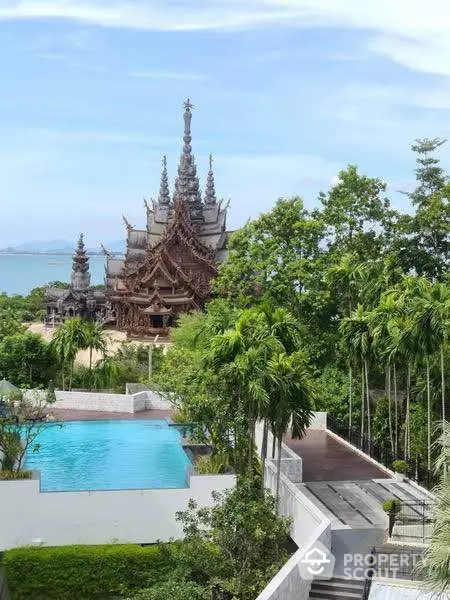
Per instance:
x=116, y=338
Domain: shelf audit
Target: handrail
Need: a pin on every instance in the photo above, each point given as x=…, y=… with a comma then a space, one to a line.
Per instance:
x=369, y=576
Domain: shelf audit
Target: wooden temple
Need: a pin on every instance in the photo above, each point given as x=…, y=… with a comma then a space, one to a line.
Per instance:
x=168, y=266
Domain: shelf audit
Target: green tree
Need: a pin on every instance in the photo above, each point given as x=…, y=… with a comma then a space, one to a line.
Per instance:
x=20, y=426
x=273, y=258
x=436, y=564
x=357, y=216
x=424, y=241
x=174, y=589
x=238, y=543
x=94, y=338
x=356, y=336
x=67, y=340
x=26, y=360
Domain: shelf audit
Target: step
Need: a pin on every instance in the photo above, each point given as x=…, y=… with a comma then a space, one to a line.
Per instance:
x=339, y=583
x=336, y=593
x=336, y=588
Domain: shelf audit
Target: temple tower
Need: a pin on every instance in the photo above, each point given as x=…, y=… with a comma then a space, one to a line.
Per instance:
x=187, y=187
x=80, y=277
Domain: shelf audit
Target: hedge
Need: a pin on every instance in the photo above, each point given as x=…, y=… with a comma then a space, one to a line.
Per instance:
x=84, y=572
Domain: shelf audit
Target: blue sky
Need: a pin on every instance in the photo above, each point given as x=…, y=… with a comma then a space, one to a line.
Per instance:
x=287, y=92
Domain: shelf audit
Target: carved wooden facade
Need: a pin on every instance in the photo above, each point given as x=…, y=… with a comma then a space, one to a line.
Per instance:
x=168, y=267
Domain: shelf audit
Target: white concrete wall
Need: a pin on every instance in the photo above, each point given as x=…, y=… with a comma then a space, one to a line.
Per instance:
x=157, y=401
x=308, y=526
x=291, y=463
x=103, y=402
x=319, y=421
x=29, y=516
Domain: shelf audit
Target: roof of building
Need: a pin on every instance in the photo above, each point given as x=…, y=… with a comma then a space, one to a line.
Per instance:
x=208, y=214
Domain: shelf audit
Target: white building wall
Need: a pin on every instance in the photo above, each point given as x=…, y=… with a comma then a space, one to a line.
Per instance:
x=103, y=402
x=309, y=525
x=29, y=516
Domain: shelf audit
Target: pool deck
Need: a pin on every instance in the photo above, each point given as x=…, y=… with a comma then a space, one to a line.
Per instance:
x=92, y=415
x=327, y=459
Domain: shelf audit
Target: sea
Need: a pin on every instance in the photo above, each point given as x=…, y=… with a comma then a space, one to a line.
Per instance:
x=20, y=273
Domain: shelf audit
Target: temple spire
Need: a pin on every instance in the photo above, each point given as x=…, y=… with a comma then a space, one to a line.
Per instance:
x=187, y=188
x=80, y=277
x=210, y=192
x=164, y=193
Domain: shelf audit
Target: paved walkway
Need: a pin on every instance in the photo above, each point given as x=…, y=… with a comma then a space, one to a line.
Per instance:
x=327, y=459
x=92, y=415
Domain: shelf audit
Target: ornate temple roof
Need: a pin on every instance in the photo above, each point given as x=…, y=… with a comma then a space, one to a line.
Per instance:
x=207, y=217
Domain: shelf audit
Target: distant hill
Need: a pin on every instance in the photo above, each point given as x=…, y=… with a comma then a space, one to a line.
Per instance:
x=60, y=246
x=52, y=246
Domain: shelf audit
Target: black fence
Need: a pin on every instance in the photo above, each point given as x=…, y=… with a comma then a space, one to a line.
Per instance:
x=398, y=562
x=414, y=521
x=380, y=452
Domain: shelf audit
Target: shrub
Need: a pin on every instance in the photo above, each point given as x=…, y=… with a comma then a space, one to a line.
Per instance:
x=392, y=506
x=174, y=590
x=214, y=464
x=400, y=466
x=84, y=572
x=11, y=475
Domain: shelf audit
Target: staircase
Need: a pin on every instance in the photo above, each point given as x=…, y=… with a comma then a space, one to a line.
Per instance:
x=337, y=589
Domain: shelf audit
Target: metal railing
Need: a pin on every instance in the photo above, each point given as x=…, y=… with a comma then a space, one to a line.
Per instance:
x=414, y=521
x=369, y=576
x=398, y=562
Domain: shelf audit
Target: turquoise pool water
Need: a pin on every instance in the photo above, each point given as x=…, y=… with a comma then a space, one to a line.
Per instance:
x=109, y=455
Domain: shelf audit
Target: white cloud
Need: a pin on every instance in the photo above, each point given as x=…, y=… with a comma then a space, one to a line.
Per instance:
x=413, y=33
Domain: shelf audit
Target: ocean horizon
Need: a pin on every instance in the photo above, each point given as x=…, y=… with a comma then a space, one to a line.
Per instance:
x=20, y=273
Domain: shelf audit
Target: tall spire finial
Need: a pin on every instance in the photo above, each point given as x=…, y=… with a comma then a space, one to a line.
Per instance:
x=210, y=192
x=187, y=187
x=164, y=193
x=80, y=277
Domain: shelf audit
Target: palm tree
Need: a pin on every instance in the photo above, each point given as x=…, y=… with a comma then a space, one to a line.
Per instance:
x=67, y=340
x=95, y=338
x=350, y=275
x=383, y=331
x=435, y=310
x=357, y=338
x=241, y=356
x=436, y=563
x=291, y=399
x=259, y=359
x=106, y=373
x=429, y=322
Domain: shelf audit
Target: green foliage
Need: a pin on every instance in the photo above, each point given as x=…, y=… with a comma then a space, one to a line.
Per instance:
x=436, y=564
x=214, y=464
x=26, y=360
x=239, y=542
x=15, y=475
x=174, y=589
x=392, y=506
x=84, y=572
x=424, y=240
x=358, y=219
x=400, y=466
x=21, y=423
x=273, y=257
x=128, y=364
x=50, y=396
x=332, y=391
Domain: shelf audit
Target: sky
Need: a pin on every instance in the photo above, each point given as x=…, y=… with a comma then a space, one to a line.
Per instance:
x=286, y=93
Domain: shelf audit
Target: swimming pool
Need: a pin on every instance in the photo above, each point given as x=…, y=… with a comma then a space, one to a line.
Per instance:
x=109, y=455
